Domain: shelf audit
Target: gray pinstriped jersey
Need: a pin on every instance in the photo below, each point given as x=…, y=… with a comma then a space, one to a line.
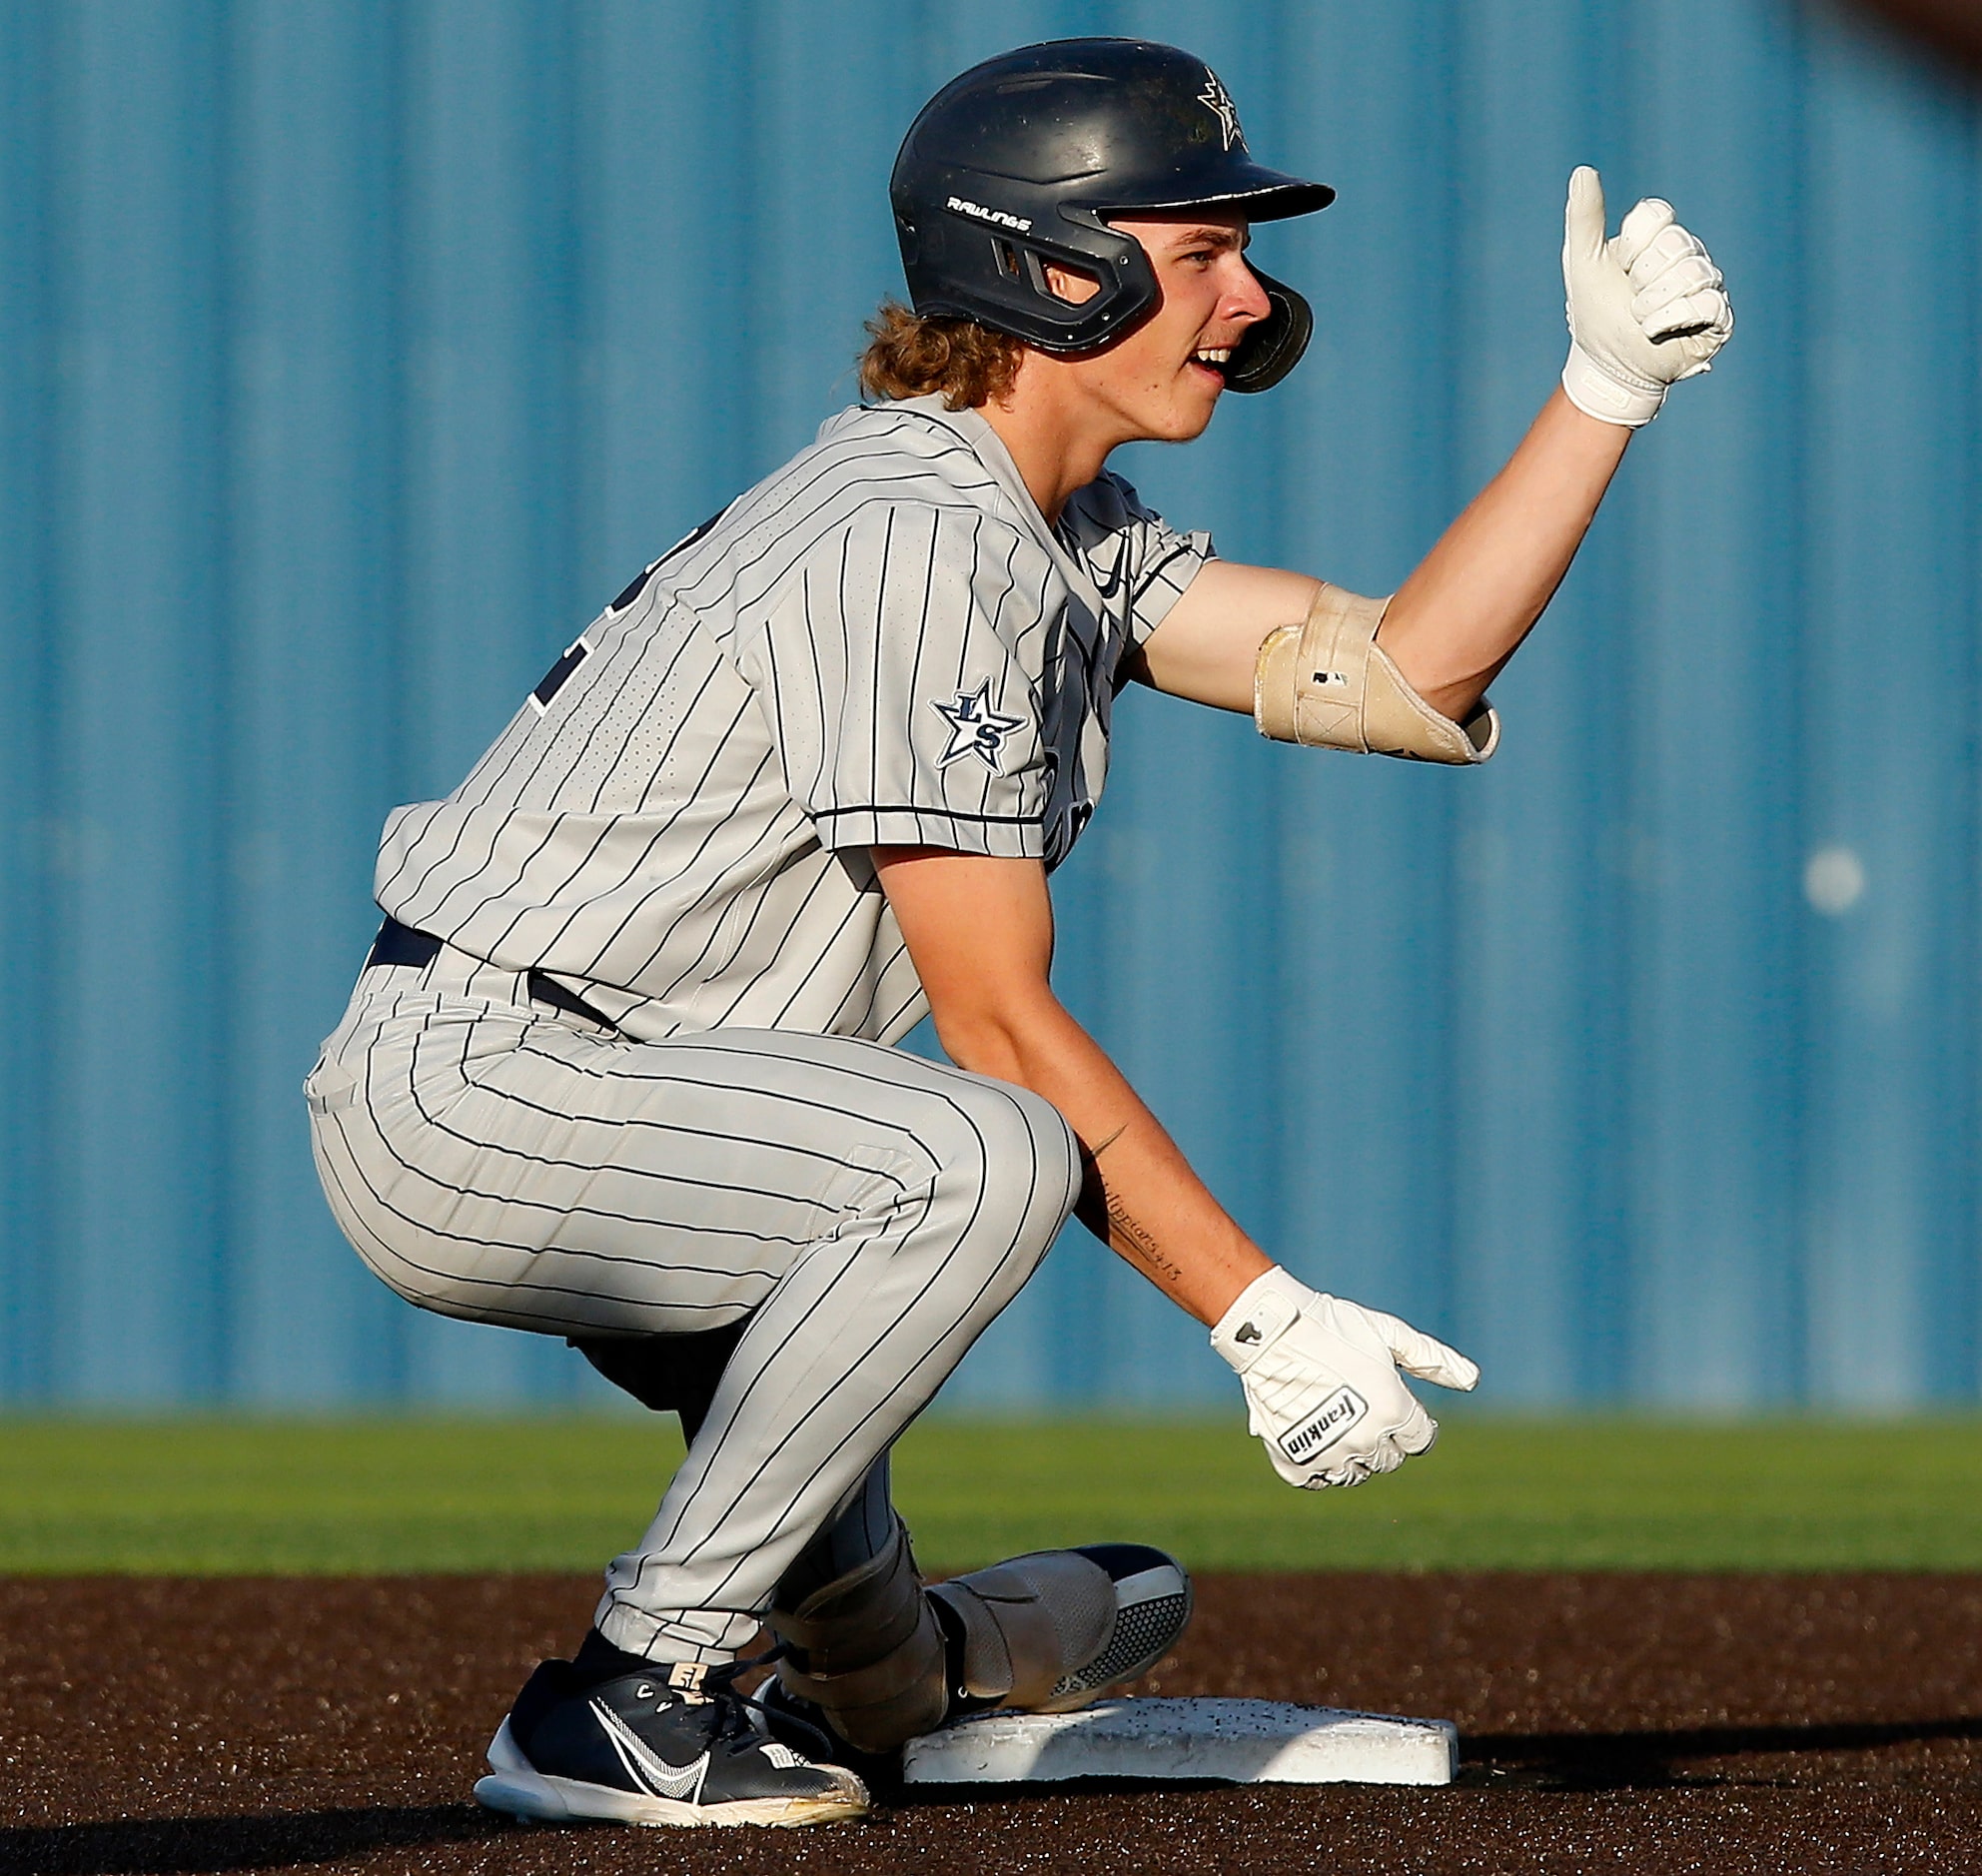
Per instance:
x=882, y=643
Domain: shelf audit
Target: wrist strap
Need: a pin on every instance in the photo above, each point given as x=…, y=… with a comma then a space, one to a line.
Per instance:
x=1600, y=393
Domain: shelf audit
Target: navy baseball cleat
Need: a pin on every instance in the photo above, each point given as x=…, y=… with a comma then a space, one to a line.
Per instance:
x=667, y=1745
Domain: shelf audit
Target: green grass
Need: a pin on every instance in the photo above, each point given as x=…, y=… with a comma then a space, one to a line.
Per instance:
x=558, y=1494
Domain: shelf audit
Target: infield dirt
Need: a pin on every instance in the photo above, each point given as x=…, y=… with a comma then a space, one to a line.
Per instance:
x=1609, y=1722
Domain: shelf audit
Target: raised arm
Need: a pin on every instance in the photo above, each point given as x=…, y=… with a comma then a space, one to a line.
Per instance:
x=1645, y=309
x=1459, y=618
x=1470, y=601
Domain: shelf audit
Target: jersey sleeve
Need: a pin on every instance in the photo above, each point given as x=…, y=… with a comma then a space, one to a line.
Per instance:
x=1136, y=546
x=899, y=665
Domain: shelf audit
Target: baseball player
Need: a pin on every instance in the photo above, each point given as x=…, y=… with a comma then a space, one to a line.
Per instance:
x=619, y=1067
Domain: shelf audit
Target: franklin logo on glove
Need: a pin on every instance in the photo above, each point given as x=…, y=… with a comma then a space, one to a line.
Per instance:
x=1322, y=1428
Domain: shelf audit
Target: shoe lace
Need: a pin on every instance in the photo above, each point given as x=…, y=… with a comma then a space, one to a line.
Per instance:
x=735, y=1723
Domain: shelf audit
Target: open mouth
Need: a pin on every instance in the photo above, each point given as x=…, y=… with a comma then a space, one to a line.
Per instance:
x=1212, y=359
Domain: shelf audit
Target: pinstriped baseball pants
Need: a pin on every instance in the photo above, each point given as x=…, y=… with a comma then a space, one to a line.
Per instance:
x=868, y=1212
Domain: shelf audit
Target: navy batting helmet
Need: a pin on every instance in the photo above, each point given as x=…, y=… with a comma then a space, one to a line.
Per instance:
x=1016, y=166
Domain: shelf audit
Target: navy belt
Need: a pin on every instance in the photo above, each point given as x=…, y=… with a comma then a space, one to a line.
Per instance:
x=400, y=944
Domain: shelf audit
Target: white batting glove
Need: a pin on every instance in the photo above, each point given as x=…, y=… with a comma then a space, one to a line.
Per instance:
x=1646, y=308
x=1321, y=1383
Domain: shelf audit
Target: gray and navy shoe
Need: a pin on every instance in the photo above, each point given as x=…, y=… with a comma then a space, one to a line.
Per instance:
x=1152, y=1609
x=1116, y=1620
x=663, y=1744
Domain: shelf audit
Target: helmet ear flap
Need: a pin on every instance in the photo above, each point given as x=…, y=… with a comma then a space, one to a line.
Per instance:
x=1274, y=347
x=959, y=268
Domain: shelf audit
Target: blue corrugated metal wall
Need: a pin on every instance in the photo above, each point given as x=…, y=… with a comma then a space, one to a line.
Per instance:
x=353, y=350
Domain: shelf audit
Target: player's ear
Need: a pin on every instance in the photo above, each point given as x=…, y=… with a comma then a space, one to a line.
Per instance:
x=1072, y=284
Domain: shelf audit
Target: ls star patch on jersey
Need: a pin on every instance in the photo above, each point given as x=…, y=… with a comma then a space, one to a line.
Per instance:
x=975, y=727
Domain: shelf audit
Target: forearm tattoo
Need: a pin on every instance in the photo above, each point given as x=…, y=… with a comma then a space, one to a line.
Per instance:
x=1105, y=1212
x=1128, y=1232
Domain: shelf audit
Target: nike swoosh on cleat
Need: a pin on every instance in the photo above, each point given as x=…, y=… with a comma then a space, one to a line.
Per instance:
x=645, y=1766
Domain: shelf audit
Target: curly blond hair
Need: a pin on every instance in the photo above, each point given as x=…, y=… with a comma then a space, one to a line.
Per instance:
x=909, y=356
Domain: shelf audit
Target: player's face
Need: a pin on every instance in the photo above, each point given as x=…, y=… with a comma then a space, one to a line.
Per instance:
x=1161, y=382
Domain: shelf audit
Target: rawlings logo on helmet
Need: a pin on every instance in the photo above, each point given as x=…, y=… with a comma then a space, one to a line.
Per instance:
x=957, y=204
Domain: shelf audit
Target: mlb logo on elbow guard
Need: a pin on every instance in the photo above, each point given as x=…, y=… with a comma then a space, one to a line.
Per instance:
x=1322, y=1427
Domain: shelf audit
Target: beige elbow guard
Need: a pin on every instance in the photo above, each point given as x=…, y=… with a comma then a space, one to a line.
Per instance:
x=1327, y=683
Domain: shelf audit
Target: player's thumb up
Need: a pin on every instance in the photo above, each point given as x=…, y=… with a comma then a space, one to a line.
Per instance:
x=1583, y=220
x=1612, y=371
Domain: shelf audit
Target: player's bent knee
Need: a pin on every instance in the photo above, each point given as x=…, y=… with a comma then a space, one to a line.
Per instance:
x=1015, y=1167
x=1053, y=1151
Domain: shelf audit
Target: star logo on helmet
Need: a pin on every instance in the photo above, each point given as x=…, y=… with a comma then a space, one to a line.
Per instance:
x=975, y=727
x=1219, y=103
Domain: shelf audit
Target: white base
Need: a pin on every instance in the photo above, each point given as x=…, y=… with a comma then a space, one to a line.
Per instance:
x=1245, y=1742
